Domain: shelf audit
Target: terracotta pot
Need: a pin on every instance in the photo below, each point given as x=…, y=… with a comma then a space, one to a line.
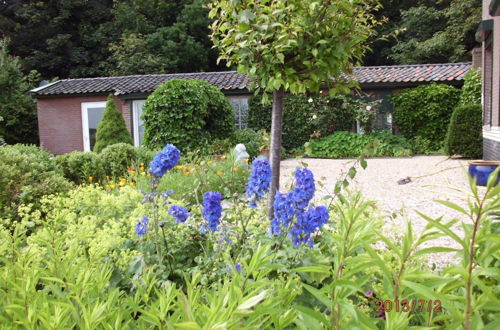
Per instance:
x=481, y=170
x=265, y=152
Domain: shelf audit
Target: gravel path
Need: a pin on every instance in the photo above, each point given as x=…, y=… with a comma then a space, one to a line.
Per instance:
x=432, y=178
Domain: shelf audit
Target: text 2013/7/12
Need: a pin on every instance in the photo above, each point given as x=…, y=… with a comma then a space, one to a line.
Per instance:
x=406, y=306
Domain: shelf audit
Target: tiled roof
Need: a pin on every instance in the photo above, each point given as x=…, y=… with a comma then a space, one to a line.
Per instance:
x=412, y=73
x=227, y=80
x=232, y=80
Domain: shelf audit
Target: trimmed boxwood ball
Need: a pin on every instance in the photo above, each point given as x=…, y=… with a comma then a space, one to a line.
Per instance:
x=117, y=158
x=112, y=128
x=464, y=136
x=187, y=113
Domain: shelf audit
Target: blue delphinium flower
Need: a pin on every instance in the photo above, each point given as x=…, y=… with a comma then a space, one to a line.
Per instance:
x=142, y=226
x=212, y=209
x=164, y=161
x=283, y=213
x=179, y=213
x=304, y=188
x=259, y=180
x=307, y=223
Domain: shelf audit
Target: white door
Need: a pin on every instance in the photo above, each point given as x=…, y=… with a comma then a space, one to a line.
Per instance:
x=91, y=116
x=138, y=122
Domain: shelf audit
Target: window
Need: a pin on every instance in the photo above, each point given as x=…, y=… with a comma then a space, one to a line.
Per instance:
x=138, y=122
x=240, y=106
x=91, y=116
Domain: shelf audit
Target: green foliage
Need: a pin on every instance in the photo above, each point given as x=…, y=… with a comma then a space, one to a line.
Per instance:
x=280, y=52
x=318, y=115
x=347, y=144
x=117, y=158
x=85, y=38
x=17, y=108
x=112, y=128
x=78, y=166
x=425, y=111
x=145, y=155
x=187, y=113
x=251, y=139
x=464, y=136
x=471, y=90
x=425, y=31
x=28, y=174
x=83, y=266
x=191, y=180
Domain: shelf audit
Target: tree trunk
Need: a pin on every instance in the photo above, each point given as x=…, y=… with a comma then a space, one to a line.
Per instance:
x=275, y=152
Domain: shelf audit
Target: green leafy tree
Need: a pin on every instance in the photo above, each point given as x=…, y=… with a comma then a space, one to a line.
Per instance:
x=162, y=37
x=291, y=46
x=17, y=108
x=112, y=128
x=59, y=38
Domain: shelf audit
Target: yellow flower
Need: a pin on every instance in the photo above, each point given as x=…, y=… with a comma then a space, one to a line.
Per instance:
x=219, y=173
x=178, y=167
x=186, y=172
x=91, y=178
x=142, y=164
x=113, y=186
x=131, y=184
x=245, y=160
x=143, y=173
x=107, y=187
x=236, y=169
x=223, y=157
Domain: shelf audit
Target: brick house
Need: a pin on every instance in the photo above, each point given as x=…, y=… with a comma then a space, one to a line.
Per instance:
x=69, y=110
x=489, y=34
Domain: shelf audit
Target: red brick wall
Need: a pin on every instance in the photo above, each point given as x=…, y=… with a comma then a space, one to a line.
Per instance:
x=60, y=121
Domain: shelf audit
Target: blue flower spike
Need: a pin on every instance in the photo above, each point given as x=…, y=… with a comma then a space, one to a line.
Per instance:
x=212, y=210
x=179, y=213
x=164, y=161
x=142, y=226
x=259, y=180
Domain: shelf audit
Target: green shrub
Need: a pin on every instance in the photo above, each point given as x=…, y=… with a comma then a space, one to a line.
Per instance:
x=145, y=155
x=347, y=144
x=252, y=141
x=425, y=111
x=78, y=166
x=304, y=115
x=464, y=136
x=117, y=158
x=28, y=174
x=471, y=90
x=112, y=128
x=187, y=113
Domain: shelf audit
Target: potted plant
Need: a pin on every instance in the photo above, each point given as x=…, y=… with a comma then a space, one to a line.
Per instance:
x=481, y=170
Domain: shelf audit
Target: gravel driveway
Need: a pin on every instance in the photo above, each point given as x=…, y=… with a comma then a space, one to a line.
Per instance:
x=431, y=179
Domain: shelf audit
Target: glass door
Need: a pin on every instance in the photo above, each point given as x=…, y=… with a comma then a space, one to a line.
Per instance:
x=91, y=116
x=138, y=122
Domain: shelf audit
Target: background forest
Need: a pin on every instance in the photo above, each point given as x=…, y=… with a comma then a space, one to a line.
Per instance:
x=87, y=38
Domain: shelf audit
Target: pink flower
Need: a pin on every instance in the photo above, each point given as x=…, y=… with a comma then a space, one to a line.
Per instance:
x=369, y=107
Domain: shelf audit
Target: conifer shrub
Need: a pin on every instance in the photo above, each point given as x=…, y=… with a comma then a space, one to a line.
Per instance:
x=188, y=113
x=112, y=128
x=464, y=136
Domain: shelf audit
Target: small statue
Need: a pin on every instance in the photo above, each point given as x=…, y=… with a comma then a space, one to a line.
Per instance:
x=240, y=154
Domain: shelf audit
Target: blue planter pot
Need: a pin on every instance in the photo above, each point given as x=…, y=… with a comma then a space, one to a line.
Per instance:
x=482, y=170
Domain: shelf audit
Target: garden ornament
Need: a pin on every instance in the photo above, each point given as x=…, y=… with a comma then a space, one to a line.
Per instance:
x=240, y=153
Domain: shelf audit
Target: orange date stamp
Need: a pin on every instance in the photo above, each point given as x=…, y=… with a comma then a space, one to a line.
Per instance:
x=408, y=306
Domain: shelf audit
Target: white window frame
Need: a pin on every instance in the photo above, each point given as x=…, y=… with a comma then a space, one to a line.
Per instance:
x=135, y=121
x=85, y=121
